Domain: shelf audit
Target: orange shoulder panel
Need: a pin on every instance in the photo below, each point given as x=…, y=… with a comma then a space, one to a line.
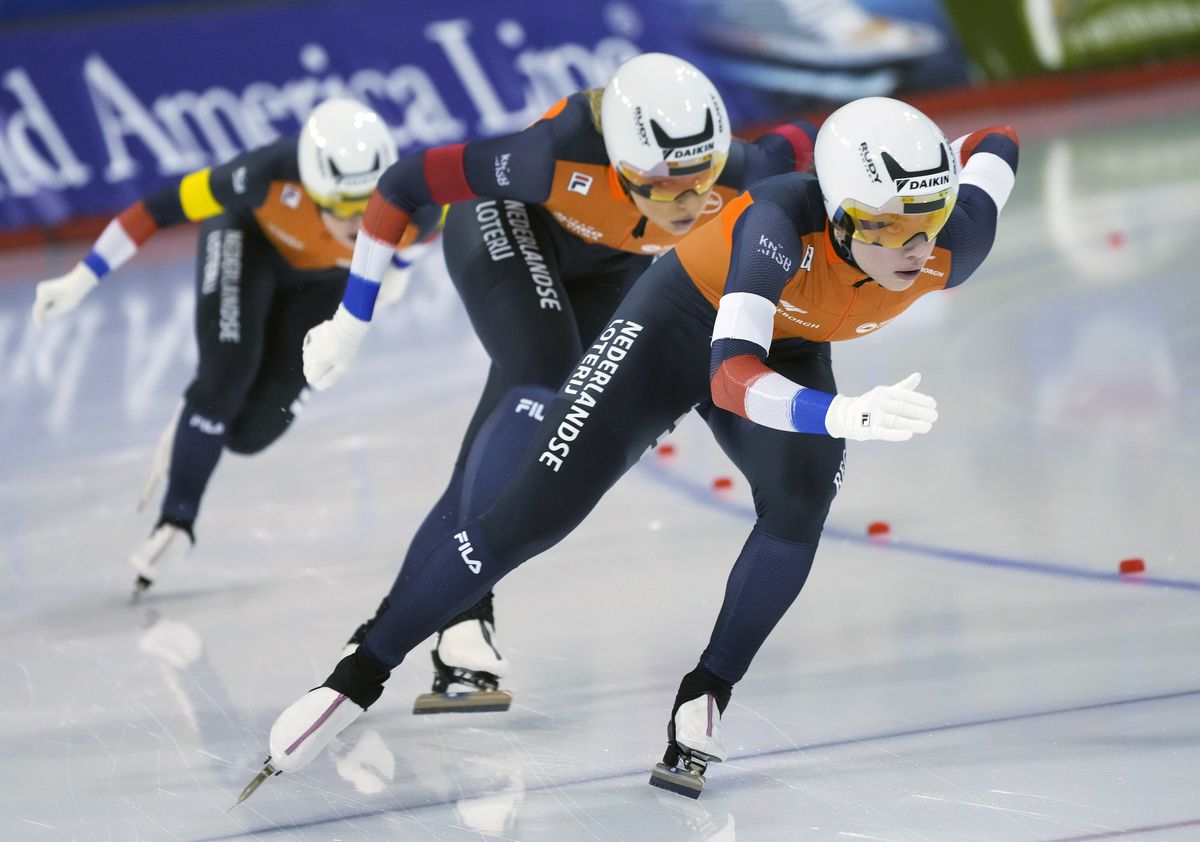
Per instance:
x=731, y=213
x=555, y=110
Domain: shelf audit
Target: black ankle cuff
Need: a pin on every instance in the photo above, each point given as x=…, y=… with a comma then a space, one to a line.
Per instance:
x=185, y=525
x=359, y=677
x=699, y=682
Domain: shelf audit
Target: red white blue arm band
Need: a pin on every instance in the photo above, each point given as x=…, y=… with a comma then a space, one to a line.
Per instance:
x=989, y=161
x=744, y=385
x=121, y=239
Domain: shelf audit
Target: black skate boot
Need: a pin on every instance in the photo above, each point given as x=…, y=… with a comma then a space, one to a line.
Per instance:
x=466, y=655
x=693, y=734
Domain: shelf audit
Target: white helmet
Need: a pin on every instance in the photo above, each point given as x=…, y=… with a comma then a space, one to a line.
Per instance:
x=665, y=127
x=344, y=147
x=886, y=172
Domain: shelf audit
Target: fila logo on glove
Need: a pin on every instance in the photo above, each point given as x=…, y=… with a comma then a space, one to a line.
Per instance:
x=465, y=549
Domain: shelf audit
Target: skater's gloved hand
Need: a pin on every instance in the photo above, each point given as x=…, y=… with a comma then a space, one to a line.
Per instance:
x=60, y=295
x=330, y=348
x=888, y=413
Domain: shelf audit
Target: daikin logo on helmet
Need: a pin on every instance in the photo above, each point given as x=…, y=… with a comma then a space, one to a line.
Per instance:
x=691, y=146
x=927, y=183
x=910, y=182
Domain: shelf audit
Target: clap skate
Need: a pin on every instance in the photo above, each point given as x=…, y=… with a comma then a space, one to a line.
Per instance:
x=312, y=722
x=466, y=655
x=169, y=542
x=301, y=731
x=693, y=736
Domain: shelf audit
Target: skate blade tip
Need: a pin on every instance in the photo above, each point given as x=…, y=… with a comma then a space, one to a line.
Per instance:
x=488, y=701
x=140, y=586
x=672, y=780
x=250, y=788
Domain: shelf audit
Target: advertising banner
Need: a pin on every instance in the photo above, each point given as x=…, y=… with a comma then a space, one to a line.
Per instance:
x=95, y=115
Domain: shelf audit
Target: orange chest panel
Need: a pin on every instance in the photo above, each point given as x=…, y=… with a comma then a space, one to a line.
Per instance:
x=823, y=300
x=827, y=303
x=290, y=220
x=587, y=200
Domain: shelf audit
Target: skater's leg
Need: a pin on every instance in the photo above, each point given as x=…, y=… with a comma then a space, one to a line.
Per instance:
x=233, y=296
x=279, y=389
x=644, y=371
x=510, y=285
x=521, y=313
x=793, y=477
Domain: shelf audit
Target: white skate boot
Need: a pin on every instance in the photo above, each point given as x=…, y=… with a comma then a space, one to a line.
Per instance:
x=693, y=738
x=168, y=543
x=466, y=655
x=298, y=735
x=161, y=462
x=311, y=722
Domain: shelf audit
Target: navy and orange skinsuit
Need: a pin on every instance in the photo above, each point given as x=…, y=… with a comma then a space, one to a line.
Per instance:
x=560, y=164
x=267, y=271
x=657, y=358
x=540, y=262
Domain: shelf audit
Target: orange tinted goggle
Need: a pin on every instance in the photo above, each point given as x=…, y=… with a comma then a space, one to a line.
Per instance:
x=343, y=208
x=670, y=185
x=923, y=215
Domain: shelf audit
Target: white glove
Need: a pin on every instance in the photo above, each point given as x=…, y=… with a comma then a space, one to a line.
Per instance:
x=330, y=348
x=60, y=295
x=889, y=413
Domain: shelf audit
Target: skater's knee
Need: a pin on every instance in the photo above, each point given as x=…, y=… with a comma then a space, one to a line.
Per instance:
x=257, y=432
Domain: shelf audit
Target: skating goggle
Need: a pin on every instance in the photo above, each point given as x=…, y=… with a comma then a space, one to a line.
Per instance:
x=344, y=207
x=900, y=219
x=667, y=183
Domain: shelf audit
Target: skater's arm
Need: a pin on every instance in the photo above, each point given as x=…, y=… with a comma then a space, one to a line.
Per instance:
x=518, y=166
x=786, y=148
x=989, y=169
x=766, y=249
x=199, y=195
x=241, y=182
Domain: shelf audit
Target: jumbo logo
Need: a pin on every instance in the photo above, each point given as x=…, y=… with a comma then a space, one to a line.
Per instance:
x=714, y=203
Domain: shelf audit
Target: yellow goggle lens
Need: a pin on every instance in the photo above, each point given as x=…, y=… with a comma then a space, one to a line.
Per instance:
x=343, y=208
x=893, y=230
x=667, y=187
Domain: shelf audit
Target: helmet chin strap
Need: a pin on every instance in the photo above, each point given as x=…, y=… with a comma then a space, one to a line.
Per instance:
x=841, y=245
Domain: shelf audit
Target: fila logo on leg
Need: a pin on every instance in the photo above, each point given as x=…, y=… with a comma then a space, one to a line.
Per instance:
x=533, y=408
x=465, y=549
x=865, y=421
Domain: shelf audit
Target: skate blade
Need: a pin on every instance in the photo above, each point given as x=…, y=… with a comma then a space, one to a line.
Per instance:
x=479, y=701
x=267, y=771
x=679, y=781
x=140, y=586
